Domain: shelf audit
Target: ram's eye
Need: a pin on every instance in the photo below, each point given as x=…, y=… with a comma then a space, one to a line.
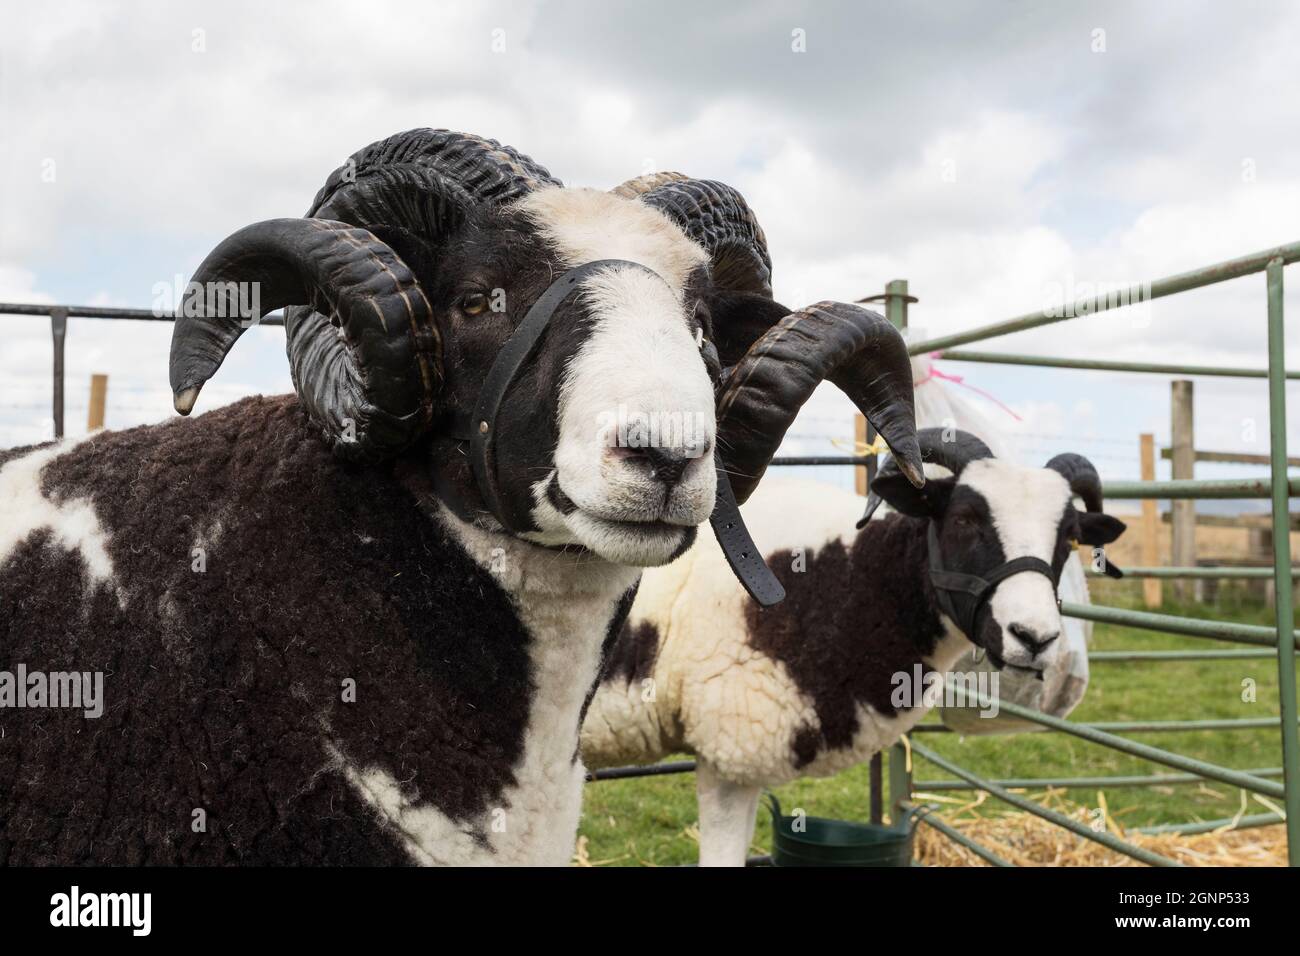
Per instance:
x=474, y=303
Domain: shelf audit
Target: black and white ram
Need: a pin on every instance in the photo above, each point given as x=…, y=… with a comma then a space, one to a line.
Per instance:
x=809, y=687
x=324, y=636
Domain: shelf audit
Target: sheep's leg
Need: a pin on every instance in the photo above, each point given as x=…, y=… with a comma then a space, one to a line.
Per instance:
x=726, y=817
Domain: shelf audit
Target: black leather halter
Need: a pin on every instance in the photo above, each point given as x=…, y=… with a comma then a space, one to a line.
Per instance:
x=479, y=430
x=961, y=596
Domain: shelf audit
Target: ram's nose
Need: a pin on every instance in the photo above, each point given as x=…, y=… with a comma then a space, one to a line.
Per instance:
x=665, y=465
x=1035, y=641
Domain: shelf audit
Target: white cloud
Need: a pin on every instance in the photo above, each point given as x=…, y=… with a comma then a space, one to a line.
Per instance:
x=988, y=160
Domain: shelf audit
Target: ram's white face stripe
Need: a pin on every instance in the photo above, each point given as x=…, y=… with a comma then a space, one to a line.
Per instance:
x=639, y=368
x=1026, y=505
x=586, y=224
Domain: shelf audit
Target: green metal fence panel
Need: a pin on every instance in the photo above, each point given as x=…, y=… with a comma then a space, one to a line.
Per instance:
x=1106, y=656
x=1209, y=826
x=1198, y=488
x=1209, y=275
x=1133, y=748
x=1102, y=365
x=1107, y=840
x=1146, y=726
x=1278, y=488
x=1172, y=624
x=1282, y=554
x=1206, y=572
x=1085, y=783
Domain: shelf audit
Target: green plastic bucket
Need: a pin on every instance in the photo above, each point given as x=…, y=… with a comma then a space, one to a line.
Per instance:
x=825, y=842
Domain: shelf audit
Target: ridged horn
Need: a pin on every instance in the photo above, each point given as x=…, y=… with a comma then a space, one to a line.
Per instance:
x=1082, y=476
x=369, y=378
x=717, y=217
x=421, y=179
x=858, y=350
x=412, y=188
x=949, y=448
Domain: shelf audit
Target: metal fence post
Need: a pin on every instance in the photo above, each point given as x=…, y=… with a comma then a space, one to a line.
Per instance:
x=1286, y=651
x=59, y=329
x=896, y=301
x=1183, y=456
x=900, y=782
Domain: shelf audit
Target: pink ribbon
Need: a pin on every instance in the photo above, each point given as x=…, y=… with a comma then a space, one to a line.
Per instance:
x=936, y=372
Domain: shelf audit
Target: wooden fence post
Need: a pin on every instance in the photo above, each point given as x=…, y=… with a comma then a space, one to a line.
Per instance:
x=1152, y=590
x=98, y=398
x=1182, y=454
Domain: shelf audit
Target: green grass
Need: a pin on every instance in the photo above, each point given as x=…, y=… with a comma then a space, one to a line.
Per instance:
x=648, y=821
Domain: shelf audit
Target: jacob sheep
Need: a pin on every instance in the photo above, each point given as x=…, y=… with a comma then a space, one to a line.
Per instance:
x=360, y=624
x=810, y=687
x=941, y=403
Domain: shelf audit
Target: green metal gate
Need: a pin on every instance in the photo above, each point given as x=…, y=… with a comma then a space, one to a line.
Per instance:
x=1279, y=641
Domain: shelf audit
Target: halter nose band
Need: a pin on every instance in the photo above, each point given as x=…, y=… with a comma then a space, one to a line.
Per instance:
x=973, y=590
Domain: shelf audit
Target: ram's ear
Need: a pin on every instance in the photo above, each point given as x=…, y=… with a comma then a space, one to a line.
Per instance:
x=739, y=320
x=1097, y=528
x=900, y=494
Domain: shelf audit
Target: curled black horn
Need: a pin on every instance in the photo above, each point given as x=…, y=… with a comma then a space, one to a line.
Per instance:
x=420, y=180
x=365, y=355
x=1095, y=528
x=1082, y=476
x=372, y=388
x=717, y=217
x=948, y=448
x=859, y=351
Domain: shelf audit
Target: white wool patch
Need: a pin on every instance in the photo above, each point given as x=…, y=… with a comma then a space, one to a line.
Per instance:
x=587, y=224
x=565, y=602
x=429, y=836
x=24, y=510
x=714, y=694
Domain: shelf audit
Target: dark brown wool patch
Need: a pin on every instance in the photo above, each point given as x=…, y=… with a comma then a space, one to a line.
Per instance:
x=222, y=688
x=840, y=646
x=634, y=654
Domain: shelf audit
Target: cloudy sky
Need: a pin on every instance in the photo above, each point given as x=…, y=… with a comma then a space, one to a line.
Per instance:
x=995, y=154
